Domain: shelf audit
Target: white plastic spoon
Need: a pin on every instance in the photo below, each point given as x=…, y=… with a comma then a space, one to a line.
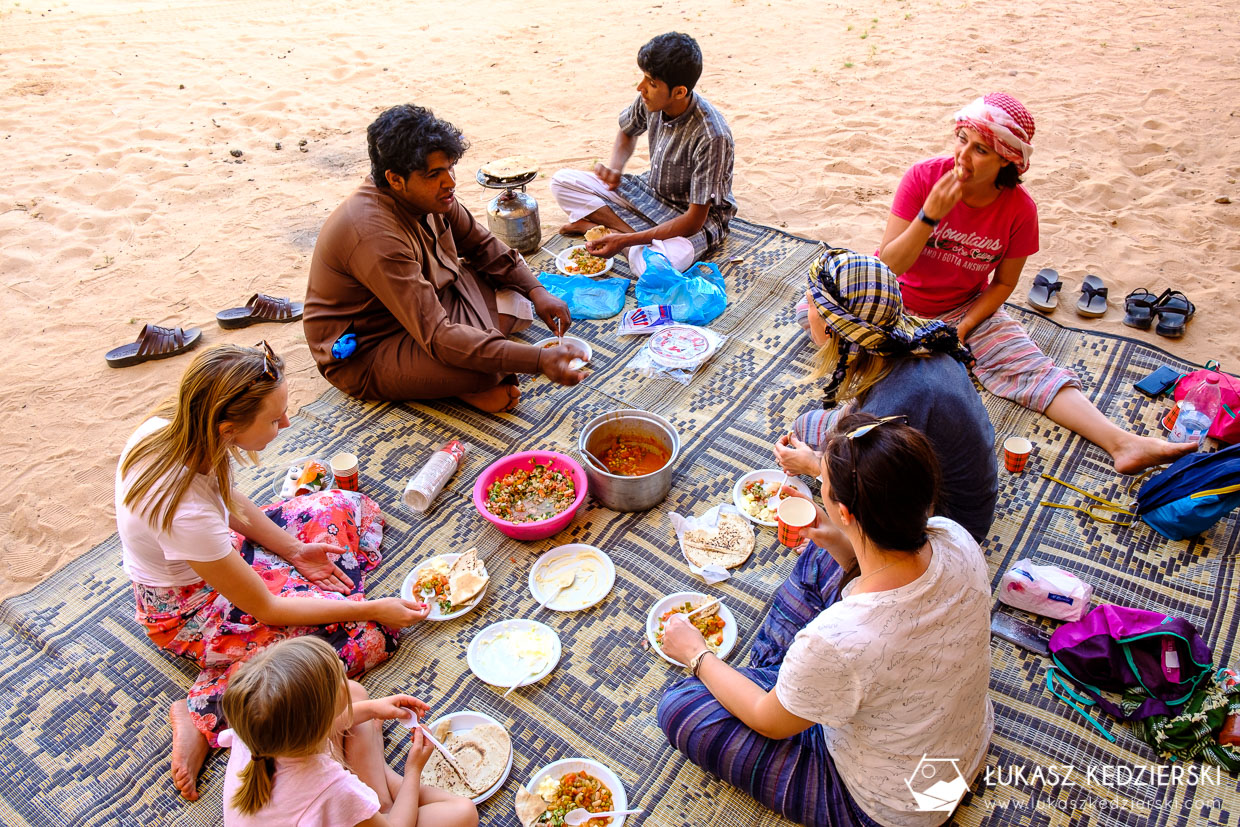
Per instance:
x=555, y=584
x=772, y=502
x=412, y=723
x=579, y=816
x=705, y=605
x=527, y=675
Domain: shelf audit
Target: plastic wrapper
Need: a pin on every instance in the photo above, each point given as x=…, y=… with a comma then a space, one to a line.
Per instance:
x=677, y=351
x=682, y=524
x=697, y=296
x=643, y=321
x=425, y=485
x=1045, y=590
x=587, y=298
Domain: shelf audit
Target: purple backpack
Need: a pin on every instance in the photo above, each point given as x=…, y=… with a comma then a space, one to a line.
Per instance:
x=1114, y=649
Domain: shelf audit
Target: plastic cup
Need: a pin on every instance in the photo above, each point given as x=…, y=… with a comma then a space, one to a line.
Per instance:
x=1016, y=451
x=794, y=515
x=344, y=468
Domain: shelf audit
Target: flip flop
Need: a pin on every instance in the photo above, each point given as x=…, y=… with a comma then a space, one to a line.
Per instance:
x=1177, y=309
x=260, y=309
x=1093, y=301
x=1043, y=293
x=154, y=342
x=1139, y=308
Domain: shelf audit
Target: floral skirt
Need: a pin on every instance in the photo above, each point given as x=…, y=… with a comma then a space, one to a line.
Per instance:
x=198, y=623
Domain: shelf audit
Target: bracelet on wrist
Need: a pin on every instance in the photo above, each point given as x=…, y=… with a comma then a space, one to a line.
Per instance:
x=927, y=220
x=695, y=663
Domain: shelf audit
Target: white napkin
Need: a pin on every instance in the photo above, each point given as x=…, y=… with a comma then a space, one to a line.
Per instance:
x=680, y=524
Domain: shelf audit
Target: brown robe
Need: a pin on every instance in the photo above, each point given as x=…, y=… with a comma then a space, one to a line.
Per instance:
x=418, y=291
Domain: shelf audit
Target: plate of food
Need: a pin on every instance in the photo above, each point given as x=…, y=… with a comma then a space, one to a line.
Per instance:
x=481, y=746
x=753, y=490
x=304, y=476
x=567, y=784
x=452, y=584
x=576, y=364
x=717, y=624
x=513, y=653
x=575, y=261
x=572, y=577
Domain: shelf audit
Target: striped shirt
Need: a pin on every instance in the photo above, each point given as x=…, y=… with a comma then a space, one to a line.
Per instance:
x=691, y=159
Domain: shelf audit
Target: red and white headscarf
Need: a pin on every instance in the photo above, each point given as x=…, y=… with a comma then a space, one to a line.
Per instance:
x=1004, y=123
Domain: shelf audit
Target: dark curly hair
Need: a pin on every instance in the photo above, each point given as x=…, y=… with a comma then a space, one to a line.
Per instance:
x=402, y=138
x=672, y=58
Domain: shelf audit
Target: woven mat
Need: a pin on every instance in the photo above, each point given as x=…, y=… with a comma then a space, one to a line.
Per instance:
x=85, y=695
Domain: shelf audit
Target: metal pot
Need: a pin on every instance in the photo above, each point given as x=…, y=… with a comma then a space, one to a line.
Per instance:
x=513, y=217
x=628, y=493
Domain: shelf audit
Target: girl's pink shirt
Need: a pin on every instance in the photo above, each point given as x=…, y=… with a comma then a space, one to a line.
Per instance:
x=315, y=791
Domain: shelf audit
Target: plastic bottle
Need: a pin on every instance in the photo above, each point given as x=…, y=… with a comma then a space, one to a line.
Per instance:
x=1200, y=407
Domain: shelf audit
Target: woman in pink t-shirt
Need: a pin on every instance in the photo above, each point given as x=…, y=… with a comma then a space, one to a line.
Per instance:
x=960, y=230
x=307, y=749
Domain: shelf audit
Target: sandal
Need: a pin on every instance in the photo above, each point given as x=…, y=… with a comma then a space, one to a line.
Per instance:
x=259, y=309
x=154, y=342
x=1042, y=295
x=1139, y=308
x=1173, y=310
x=1093, y=301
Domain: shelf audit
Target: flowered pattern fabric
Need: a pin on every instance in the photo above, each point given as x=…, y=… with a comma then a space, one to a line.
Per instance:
x=198, y=623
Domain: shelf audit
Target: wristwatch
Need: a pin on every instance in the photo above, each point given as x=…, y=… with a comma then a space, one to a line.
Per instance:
x=927, y=220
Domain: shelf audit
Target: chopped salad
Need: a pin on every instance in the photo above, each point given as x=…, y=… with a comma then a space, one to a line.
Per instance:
x=709, y=624
x=432, y=584
x=579, y=261
x=522, y=496
x=755, y=496
x=576, y=789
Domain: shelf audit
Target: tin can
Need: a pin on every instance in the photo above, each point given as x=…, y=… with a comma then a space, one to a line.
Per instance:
x=344, y=467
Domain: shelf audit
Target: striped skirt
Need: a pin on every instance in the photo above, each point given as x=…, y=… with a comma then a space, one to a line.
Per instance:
x=796, y=777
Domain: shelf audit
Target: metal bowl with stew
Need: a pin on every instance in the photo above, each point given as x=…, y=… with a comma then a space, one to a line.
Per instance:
x=637, y=450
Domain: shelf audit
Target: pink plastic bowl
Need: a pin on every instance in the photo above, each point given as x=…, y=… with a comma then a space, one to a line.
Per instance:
x=539, y=529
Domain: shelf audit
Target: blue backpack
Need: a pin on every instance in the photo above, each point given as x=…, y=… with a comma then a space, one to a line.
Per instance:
x=1192, y=494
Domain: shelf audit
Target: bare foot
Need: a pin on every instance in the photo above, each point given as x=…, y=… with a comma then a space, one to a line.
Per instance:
x=1142, y=452
x=499, y=399
x=578, y=227
x=189, y=750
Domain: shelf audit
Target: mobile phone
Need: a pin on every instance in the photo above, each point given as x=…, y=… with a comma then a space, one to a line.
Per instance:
x=1023, y=634
x=1159, y=382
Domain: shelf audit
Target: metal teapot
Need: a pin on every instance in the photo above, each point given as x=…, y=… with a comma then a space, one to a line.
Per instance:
x=513, y=214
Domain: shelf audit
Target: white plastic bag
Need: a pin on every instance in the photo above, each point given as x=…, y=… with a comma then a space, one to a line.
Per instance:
x=681, y=524
x=1045, y=590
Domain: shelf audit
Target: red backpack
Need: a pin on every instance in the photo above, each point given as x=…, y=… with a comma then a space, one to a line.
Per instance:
x=1226, y=426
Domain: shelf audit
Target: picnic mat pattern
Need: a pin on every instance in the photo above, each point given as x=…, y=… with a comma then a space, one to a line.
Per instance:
x=85, y=695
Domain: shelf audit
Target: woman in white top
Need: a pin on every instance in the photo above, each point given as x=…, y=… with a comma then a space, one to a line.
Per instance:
x=215, y=577
x=863, y=703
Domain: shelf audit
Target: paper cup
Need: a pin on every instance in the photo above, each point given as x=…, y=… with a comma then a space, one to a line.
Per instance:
x=344, y=468
x=793, y=516
x=1016, y=453
x=1169, y=418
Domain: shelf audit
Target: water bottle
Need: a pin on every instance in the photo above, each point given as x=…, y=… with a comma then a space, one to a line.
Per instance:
x=1197, y=411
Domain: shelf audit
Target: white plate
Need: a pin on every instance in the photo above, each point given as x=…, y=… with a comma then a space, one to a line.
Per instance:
x=406, y=590
x=581, y=343
x=464, y=721
x=487, y=671
x=580, y=595
x=558, y=769
x=769, y=476
x=301, y=463
x=681, y=346
x=561, y=263
x=697, y=599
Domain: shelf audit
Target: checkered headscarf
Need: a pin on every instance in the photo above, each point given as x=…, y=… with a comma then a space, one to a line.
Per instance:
x=859, y=299
x=1004, y=123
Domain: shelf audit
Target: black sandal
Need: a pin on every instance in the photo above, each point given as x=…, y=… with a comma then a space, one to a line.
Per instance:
x=1173, y=310
x=1139, y=308
x=1093, y=300
x=1042, y=294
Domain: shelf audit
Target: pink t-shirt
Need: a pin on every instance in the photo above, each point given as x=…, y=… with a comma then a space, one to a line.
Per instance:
x=315, y=791
x=968, y=244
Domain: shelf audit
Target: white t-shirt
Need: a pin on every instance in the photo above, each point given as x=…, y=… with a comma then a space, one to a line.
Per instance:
x=899, y=676
x=314, y=791
x=154, y=557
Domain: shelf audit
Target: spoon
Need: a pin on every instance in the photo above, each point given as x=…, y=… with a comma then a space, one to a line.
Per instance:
x=597, y=462
x=557, y=583
x=772, y=502
x=705, y=605
x=522, y=680
x=579, y=816
x=412, y=724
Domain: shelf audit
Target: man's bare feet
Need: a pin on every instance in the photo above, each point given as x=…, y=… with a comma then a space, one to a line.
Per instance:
x=578, y=227
x=189, y=750
x=499, y=399
x=1141, y=452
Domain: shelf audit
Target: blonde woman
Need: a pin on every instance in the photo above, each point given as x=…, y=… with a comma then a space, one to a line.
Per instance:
x=878, y=359
x=215, y=577
x=307, y=748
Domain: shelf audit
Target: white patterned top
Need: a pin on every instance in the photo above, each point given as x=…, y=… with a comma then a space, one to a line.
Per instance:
x=901, y=676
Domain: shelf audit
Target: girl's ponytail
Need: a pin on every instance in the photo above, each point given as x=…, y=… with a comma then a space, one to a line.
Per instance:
x=257, y=779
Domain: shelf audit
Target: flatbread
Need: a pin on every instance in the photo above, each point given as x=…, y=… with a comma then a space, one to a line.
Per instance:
x=595, y=233
x=728, y=544
x=483, y=754
x=514, y=166
x=529, y=806
x=466, y=578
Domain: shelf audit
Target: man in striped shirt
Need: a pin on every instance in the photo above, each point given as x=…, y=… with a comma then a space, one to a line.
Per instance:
x=684, y=202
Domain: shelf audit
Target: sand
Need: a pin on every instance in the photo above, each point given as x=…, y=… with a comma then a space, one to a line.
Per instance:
x=121, y=201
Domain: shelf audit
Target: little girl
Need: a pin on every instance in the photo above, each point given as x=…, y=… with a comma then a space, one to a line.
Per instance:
x=307, y=748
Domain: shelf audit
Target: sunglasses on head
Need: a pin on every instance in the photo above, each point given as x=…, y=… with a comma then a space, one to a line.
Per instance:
x=860, y=431
x=269, y=362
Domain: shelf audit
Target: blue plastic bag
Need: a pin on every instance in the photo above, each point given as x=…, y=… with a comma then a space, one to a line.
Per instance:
x=587, y=298
x=697, y=296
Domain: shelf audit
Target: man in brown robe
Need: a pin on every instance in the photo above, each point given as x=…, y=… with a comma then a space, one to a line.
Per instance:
x=422, y=287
